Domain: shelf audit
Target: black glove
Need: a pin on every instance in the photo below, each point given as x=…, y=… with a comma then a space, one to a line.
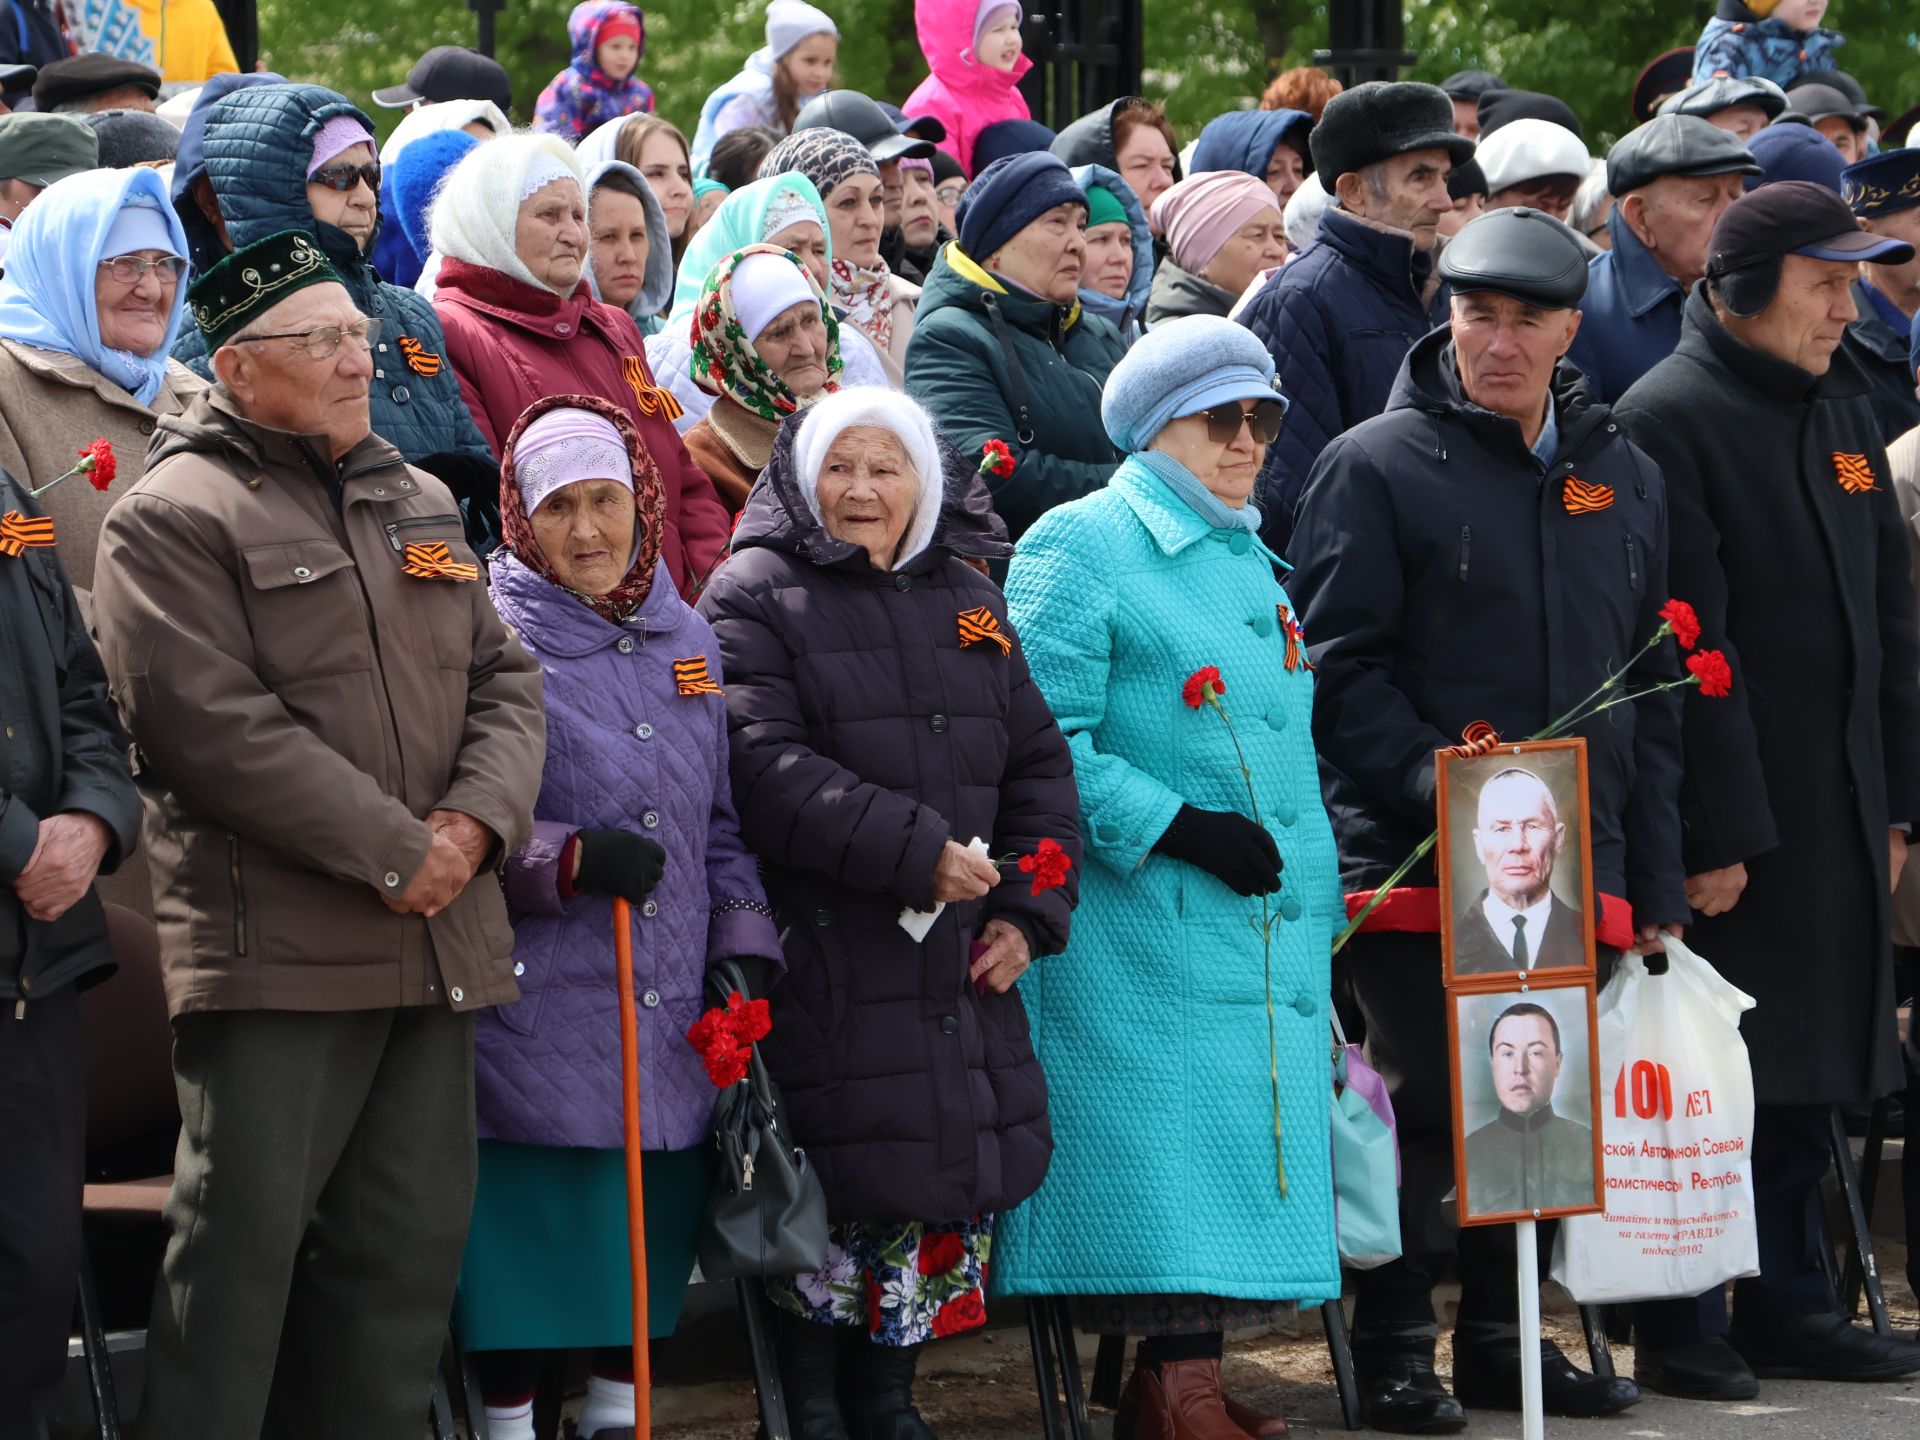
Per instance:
x=1230, y=847
x=758, y=972
x=618, y=862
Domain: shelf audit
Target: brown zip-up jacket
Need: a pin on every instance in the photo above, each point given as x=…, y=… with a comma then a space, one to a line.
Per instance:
x=298, y=702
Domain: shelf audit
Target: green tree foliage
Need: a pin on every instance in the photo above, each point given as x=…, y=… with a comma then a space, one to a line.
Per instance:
x=1201, y=58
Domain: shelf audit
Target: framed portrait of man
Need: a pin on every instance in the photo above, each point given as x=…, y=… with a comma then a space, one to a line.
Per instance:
x=1525, y=1087
x=1516, y=854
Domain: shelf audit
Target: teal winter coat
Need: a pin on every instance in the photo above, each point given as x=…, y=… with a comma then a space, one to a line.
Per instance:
x=1152, y=1026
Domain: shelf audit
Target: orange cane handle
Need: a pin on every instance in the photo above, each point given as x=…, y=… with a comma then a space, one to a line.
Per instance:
x=636, y=1198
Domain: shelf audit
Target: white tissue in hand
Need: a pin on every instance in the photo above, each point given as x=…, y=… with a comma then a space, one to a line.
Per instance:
x=918, y=922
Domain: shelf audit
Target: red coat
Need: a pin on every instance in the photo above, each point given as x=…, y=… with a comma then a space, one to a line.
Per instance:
x=512, y=344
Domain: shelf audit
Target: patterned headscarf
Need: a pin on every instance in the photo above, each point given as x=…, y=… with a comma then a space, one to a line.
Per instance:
x=649, y=506
x=724, y=360
x=827, y=157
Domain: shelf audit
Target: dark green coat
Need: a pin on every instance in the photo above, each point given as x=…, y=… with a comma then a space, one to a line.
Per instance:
x=990, y=364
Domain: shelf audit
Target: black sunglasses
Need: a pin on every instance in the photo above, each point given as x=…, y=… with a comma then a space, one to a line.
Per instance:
x=344, y=177
x=1265, y=420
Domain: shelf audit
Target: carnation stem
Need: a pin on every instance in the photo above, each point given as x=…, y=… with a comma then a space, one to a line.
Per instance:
x=55, y=481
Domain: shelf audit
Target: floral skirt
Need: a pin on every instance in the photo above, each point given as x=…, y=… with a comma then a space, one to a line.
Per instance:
x=905, y=1282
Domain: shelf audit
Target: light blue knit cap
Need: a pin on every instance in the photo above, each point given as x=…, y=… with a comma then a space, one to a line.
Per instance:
x=1180, y=368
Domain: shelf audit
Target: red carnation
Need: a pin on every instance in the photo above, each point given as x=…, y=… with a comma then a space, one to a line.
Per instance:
x=97, y=464
x=723, y=1037
x=1203, y=686
x=996, y=458
x=1710, y=669
x=1048, y=865
x=1682, y=621
x=751, y=1019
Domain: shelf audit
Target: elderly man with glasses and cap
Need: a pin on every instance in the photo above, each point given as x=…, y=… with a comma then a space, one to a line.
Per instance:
x=1884, y=194
x=338, y=741
x=1487, y=550
x=1800, y=784
x=1672, y=179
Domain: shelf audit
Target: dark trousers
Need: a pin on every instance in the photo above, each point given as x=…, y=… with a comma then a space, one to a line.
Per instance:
x=1396, y=988
x=319, y=1211
x=1790, y=1157
x=43, y=1129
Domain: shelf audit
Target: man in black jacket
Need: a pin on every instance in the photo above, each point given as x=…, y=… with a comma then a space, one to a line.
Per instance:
x=1489, y=549
x=67, y=811
x=1800, y=783
x=1883, y=192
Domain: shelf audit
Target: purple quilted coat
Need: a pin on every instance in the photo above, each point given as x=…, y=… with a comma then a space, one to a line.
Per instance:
x=624, y=750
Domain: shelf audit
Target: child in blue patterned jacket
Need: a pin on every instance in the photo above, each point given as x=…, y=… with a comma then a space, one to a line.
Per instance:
x=1778, y=40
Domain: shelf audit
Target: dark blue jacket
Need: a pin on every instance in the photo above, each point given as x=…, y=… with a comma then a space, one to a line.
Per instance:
x=1442, y=579
x=1244, y=140
x=30, y=35
x=253, y=147
x=1884, y=355
x=1631, y=314
x=1339, y=320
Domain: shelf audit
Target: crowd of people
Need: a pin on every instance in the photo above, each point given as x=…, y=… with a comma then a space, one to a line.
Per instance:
x=1001, y=593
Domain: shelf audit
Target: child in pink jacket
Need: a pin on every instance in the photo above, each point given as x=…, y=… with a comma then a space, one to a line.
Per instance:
x=973, y=48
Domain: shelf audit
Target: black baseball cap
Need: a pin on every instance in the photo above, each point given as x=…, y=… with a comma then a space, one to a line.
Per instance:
x=450, y=72
x=852, y=113
x=1789, y=217
x=920, y=127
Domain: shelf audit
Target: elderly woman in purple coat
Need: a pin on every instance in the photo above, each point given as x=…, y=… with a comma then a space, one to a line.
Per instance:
x=634, y=804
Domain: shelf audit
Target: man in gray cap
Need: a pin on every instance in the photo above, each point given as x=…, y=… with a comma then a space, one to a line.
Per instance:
x=1744, y=104
x=35, y=151
x=1801, y=780
x=1836, y=115
x=1672, y=179
x=1341, y=318
x=1494, y=497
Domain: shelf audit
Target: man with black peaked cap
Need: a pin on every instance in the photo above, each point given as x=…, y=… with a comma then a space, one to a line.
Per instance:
x=95, y=82
x=1835, y=114
x=1665, y=76
x=1884, y=194
x=1798, y=786
x=1341, y=318
x=1487, y=549
x=1464, y=88
x=1672, y=180
x=450, y=72
x=852, y=113
x=1502, y=107
x=1744, y=104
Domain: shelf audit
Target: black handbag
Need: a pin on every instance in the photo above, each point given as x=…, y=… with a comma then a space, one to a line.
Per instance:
x=766, y=1210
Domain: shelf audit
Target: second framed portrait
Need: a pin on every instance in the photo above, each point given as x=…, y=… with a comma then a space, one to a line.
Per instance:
x=1516, y=857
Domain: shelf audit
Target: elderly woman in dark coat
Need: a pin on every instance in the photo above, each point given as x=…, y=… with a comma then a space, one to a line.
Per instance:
x=882, y=719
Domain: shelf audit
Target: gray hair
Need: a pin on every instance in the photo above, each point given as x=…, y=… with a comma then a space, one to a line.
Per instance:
x=1590, y=201
x=1304, y=209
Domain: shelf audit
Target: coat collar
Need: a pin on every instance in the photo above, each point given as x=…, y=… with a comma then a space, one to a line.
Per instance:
x=1707, y=341
x=1383, y=253
x=514, y=302
x=1872, y=329
x=1641, y=281
x=1174, y=525
x=64, y=369
x=552, y=619
x=213, y=413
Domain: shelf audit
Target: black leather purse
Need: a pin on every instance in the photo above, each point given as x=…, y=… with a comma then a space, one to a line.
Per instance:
x=766, y=1210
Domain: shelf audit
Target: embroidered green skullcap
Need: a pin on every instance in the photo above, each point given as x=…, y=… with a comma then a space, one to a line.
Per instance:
x=254, y=279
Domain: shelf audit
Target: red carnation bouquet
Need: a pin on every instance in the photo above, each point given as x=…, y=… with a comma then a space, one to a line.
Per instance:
x=1048, y=865
x=96, y=463
x=724, y=1037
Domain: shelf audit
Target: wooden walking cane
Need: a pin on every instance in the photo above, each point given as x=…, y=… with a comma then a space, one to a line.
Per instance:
x=636, y=1207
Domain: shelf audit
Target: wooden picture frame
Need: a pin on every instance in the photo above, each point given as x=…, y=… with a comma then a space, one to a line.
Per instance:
x=1561, y=942
x=1517, y=1154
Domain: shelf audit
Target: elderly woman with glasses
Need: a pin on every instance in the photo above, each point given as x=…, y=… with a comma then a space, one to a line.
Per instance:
x=1185, y=1028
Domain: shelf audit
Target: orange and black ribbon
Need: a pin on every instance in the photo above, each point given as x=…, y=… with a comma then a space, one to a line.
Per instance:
x=690, y=677
x=979, y=626
x=19, y=534
x=1479, y=738
x=420, y=360
x=1580, y=498
x=1296, y=656
x=1855, y=475
x=654, y=402
x=433, y=561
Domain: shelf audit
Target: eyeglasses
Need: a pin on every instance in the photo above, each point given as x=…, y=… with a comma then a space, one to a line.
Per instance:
x=321, y=342
x=132, y=269
x=344, y=177
x=1265, y=420
x=950, y=194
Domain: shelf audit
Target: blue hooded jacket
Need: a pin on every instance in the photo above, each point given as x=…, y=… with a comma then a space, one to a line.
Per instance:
x=252, y=145
x=1244, y=140
x=1127, y=315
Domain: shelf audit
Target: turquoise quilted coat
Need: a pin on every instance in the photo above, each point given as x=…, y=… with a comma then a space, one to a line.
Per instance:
x=1152, y=1026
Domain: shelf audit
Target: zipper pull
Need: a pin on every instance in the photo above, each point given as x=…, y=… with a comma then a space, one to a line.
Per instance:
x=746, y=1172
x=19, y=1009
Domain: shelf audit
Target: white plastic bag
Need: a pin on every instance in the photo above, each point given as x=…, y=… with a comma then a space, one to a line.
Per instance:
x=1676, y=1110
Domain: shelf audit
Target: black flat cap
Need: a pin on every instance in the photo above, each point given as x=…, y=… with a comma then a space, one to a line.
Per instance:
x=1467, y=179
x=1665, y=75
x=1847, y=86
x=1823, y=102
x=133, y=137
x=1675, y=145
x=17, y=79
x=1723, y=92
x=1788, y=217
x=1381, y=119
x=1503, y=107
x=1471, y=84
x=1520, y=252
x=852, y=113
x=450, y=72
x=84, y=76
x=920, y=127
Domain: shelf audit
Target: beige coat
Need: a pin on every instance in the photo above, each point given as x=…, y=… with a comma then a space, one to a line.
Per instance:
x=297, y=703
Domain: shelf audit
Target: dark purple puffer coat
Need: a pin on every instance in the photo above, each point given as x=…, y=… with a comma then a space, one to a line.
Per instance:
x=864, y=736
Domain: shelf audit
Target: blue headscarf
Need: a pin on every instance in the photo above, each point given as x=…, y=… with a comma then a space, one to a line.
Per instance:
x=46, y=295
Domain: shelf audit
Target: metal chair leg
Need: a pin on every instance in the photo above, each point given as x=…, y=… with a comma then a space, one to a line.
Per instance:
x=440, y=1410
x=1857, y=1220
x=1345, y=1378
x=1045, y=1376
x=1109, y=1366
x=766, y=1363
x=1594, y=1322
x=93, y=1339
x=1853, y=1278
x=1060, y=1311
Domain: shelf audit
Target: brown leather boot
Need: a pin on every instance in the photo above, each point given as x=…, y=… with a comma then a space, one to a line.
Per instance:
x=1260, y=1427
x=1183, y=1402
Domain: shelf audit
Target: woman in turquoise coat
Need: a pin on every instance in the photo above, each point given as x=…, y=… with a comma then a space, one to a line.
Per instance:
x=1169, y=1206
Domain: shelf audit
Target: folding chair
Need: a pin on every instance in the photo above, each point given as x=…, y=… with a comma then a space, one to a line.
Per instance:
x=1861, y=1265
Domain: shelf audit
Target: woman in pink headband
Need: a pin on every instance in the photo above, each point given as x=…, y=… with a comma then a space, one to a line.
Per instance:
x=1223, y=228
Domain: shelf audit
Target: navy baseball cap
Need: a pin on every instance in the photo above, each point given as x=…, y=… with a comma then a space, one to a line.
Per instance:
x=1790, y=217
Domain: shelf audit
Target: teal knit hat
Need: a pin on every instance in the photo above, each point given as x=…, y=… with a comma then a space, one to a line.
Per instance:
x=1104, y=207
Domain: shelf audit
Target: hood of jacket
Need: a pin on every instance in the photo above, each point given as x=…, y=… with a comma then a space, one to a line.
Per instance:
x=945, y=28
x=1178, y=293
x=778, y=517
x=1132, y=306
x=254, y=146
x=656, y=284
x=1244, y=140
x=1429, y=382
x=1089, y=140
x=583, y=34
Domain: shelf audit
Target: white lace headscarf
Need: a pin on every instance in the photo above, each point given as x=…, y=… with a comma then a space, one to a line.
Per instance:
x=479, y=206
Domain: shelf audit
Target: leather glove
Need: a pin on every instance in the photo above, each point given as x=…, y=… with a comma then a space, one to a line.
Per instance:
x=618, y=862
x=1230, y=847
x=758, y=972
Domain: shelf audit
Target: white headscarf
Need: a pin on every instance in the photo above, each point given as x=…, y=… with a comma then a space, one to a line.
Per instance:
x=900, y=417
x=447, y=115
x=479, y=206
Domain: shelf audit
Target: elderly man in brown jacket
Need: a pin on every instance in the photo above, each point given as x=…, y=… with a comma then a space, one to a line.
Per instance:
x=336, y=741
